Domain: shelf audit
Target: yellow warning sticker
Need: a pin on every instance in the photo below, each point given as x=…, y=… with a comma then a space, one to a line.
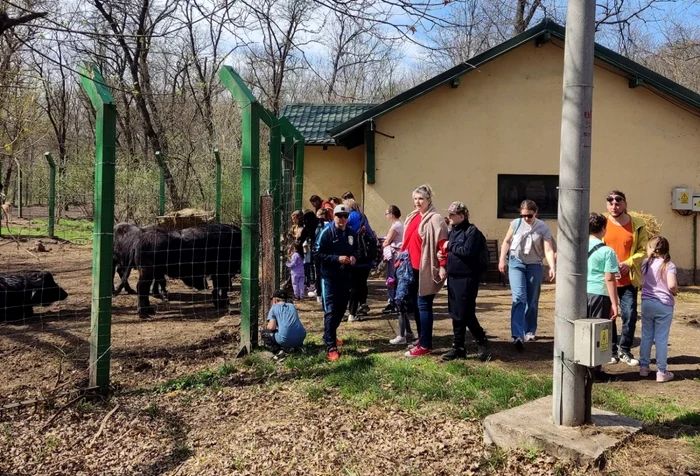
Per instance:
x=685, y=198
x=604, y=339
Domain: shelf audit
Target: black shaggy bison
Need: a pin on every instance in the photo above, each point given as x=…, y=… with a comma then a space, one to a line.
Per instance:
x=126, y=237
x=19, y=292
x=192, y=255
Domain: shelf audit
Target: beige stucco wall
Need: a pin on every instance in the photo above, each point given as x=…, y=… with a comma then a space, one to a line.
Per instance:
x=332, y=172
x=505, y=118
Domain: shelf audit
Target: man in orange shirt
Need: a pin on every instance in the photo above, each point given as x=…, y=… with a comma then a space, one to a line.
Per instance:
x=628, y=237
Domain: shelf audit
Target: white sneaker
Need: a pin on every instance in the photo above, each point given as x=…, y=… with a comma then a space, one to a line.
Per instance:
x=352, y=318
x=318, y=299
x=529, y=337
x=311, y=294
x=398, y=340
x=628, y=358
x=614, y=360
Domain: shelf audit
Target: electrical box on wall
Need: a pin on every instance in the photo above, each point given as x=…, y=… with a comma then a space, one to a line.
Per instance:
x=592, y=342
x=696, y=203
x=682, y=198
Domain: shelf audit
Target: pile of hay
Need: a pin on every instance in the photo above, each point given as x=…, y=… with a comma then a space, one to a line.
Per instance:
x=652, y=224
x=185, y=218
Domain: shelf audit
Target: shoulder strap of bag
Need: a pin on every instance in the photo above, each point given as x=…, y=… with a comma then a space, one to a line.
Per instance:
x=595, y=248
x=517, y=226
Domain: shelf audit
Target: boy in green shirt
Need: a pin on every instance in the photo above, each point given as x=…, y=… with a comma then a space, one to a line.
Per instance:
x=601, y=285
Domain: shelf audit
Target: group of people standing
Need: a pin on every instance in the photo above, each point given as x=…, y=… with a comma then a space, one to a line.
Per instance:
x=425, y=251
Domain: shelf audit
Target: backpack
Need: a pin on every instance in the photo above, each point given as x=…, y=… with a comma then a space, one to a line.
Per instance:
x=484, y=257
x=367, y=245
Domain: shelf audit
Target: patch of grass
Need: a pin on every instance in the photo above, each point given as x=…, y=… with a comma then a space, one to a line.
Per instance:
x=650, y=410
x=78, y=231
x=496, y=459
x=205, y=378
x=152, y=410
x=476, y=390
x=181, y=451
x=314, y=392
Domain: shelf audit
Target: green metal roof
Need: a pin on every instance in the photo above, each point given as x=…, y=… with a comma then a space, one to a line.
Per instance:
x=315, y=120
x=350, y=133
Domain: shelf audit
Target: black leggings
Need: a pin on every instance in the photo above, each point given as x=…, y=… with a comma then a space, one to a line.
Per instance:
x=359, y=290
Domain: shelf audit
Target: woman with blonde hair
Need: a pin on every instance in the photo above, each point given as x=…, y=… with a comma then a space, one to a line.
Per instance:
x=425, y=233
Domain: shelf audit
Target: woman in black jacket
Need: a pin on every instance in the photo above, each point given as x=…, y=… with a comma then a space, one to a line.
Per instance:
x=463, y=250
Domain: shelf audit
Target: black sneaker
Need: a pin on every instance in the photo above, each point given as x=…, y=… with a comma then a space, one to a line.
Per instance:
x=363, y=310
x=628, y=358
x=455, y=353
x=483, y=351
x=518, y=343
x=388, y=309
x=280, y=356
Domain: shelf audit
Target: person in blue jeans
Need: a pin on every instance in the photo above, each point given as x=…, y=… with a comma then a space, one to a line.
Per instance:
x=336, y=250
x=525, y=246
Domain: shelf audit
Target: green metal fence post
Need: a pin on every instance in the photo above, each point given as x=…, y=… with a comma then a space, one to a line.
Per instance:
x=250, y=155
x=275, y=188
x=217, y=205
x=161, y=189
x=19, y=188
x=105, y=139
x=52, y=193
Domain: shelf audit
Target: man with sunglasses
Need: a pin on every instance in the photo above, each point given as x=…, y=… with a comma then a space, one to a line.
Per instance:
x=628, y=237
x=336, y=250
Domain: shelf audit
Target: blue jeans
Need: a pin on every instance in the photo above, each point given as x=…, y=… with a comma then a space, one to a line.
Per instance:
x=628, y=313
x=525, y=284
x=423, y=313
x=656, y=326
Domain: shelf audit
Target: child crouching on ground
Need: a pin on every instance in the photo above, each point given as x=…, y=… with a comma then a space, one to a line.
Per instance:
x=296, y=269
x=659, y=287
x=284, y=330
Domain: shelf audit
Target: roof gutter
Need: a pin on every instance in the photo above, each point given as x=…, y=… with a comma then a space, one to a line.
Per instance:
x=467, y=67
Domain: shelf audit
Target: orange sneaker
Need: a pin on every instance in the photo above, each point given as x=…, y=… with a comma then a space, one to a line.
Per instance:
x=333, y=354
x=339, y=342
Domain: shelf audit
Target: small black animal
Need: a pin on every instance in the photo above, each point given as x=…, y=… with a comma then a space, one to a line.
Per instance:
x=19, y=292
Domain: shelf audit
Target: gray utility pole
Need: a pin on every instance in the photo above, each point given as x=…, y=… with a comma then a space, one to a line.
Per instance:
x=569, y=399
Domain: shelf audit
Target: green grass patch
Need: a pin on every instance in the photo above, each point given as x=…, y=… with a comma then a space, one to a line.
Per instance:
x=650, y=410
x=204, y=379
x=79, y=231
x=475, y=390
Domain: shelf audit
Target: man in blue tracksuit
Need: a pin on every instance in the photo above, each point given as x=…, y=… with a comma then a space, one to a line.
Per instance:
x=336, y=250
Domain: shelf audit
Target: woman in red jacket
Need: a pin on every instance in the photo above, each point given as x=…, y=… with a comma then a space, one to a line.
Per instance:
x=425, y=233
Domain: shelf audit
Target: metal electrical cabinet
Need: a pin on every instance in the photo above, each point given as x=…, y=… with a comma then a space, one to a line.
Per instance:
x=592, y=341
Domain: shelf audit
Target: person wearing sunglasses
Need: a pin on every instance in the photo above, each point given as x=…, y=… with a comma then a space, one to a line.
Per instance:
x=336, y=250
x=628, y=237
x=527, y=243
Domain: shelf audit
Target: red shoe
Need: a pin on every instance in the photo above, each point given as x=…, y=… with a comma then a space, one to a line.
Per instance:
x=333, y=355
x=417, y=351
x=339, y=343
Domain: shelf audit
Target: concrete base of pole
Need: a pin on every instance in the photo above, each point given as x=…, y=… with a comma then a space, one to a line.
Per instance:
x=530, y=426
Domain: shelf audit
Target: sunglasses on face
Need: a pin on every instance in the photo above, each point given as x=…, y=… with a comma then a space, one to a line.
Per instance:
x=527, y=215
x=342, y=216
x=617, y=199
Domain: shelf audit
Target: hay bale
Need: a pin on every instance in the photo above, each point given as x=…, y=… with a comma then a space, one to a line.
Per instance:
x=185, y=218
x=652, y=224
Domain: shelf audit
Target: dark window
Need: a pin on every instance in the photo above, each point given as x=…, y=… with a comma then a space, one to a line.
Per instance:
x=542, y=189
